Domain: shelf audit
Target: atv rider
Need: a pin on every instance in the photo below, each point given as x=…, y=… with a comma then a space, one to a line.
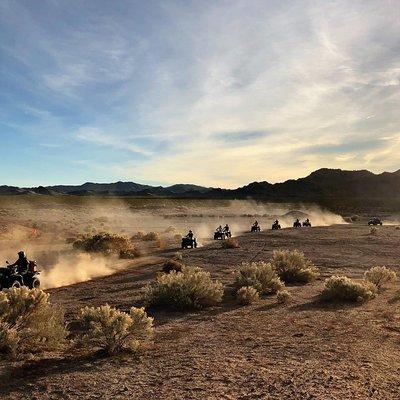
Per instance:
x=22, y=263
x=219, y=229
x=255, y=224
x=190, y=235
x=226, y=228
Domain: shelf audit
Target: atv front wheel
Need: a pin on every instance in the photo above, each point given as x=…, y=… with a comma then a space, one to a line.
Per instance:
x=16, y=284
x=35, y=284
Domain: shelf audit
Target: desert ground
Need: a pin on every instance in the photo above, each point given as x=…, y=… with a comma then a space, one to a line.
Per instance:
x=306, y=349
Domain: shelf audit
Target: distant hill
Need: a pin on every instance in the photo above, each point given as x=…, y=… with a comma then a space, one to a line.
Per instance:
x=323, y=185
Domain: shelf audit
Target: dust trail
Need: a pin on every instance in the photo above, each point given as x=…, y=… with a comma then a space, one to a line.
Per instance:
x=76, y=268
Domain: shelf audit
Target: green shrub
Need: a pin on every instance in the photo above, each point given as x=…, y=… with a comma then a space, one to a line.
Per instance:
x=293, y=267
x=107, y=328
x=283, y=297
x=342, y=288
x=380, y=275
x=259, y=275
x=192, y=288
x=230, y=243
x=106, y=244
x=28, y=322
x=247, y=295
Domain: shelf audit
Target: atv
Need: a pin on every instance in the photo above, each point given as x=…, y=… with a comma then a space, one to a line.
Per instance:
x=255, y=228
x=222, y=235
x=375, y=221
x=296, y=224
x=9, y=277
x=307, y=223
x=188, y=242
x=275, y=226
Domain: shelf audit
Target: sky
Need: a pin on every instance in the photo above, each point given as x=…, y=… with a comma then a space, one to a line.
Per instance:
x=216, y=93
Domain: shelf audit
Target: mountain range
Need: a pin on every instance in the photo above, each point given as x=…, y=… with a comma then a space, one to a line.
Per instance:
x=321, y=184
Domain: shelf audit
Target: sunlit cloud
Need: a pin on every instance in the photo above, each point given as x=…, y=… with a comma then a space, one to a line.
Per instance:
x=215, y=93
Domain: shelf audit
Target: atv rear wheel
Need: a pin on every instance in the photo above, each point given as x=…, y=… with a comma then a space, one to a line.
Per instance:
x=35, y=284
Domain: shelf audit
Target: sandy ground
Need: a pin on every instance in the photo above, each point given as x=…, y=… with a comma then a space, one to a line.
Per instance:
x=304, y=350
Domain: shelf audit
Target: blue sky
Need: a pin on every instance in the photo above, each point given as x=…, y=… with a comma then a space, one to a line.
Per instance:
x=218, y=93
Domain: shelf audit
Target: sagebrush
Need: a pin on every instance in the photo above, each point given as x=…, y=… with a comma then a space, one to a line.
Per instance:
x=283, y=297
x=113, y=330
x=260, y=275
x=28, y=322
x=191, y=288
x=342, y=288
x=247, y=295
x=106, y=244
x=379, y=276
x=293, y=266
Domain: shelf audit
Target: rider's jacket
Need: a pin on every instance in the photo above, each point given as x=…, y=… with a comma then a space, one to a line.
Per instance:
x=22, y=265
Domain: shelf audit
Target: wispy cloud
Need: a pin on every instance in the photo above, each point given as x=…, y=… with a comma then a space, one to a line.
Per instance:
x=236, y=91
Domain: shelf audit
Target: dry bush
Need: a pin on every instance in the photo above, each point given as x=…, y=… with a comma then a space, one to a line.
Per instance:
x=106, y=244
x=173, y=265
x=259, y=275
x=342, y=288
x=380, y=275
x=373, y=231
x=283, y=297
x=138, y=236
x=247, y=295
x=107, y=328
x=192, y=288
x=151, y=236
x=28, y=322
x=354, y=218
x=293, y=267
x=230, y=243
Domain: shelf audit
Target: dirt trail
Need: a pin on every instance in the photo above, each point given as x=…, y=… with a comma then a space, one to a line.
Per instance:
x=305, y=350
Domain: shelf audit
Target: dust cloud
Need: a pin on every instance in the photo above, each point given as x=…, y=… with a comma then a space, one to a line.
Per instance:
x=45, y=227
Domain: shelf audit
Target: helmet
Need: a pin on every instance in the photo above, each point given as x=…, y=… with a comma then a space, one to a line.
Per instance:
x=21, y=254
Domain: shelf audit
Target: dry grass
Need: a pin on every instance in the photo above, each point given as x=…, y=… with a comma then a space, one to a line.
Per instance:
x=342, y=288
x=293, y=267
x=112, y=330
x=192, y=288
x=259, y=275
x=379, y=276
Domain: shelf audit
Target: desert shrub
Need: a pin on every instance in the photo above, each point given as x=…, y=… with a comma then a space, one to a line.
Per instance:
x=138, y=235
x=105, y=243
x=28, y=322
x=247, y=295
x=380, y=275
x=283, y=297
x=151, y=236
x=259, y=275
x=342, y=288
x=230, y=243
x=173, y=265
x=354, y=218
x=129, y=253
x=107, y=328
x=293, y=267
x=191, y=288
